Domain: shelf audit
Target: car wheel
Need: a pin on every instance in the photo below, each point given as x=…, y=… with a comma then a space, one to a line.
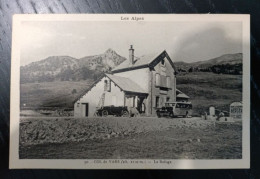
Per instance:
x=104, y=113
x=125, y=113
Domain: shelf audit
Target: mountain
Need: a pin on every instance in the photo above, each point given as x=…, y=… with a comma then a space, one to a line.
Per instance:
x=103, y=62
x=64, y=68
x=226, y=63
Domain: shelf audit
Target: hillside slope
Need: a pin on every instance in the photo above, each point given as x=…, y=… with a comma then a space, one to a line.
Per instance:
x=52, y=94
x=206, y=89
x=230, y=59
x=66, y=68
x=203, y=88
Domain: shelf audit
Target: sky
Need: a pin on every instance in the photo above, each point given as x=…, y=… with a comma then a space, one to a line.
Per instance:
x=184, y=41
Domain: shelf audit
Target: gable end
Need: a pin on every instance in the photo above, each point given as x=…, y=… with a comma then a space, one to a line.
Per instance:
x=89, y=88
x=161, y=57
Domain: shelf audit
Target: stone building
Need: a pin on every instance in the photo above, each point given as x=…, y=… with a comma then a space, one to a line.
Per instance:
x=145, y=83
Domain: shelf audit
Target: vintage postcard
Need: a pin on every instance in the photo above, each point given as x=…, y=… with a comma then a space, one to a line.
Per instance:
x=130, y=91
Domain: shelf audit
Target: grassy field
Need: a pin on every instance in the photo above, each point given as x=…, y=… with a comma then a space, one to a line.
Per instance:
x=206, y=89
x=149, y=138
x=49, y=94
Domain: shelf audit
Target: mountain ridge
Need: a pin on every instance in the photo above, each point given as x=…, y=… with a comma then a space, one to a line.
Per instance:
x=231, y=59
x=67, y=68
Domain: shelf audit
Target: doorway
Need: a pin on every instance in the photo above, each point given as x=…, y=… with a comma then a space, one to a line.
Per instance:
x=86, y=109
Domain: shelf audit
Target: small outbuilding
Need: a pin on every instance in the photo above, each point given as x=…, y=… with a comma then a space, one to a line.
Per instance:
x=236, y=109
x=181, y=97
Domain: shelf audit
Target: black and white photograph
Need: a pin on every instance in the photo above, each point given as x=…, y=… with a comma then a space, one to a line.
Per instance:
x=130, y=91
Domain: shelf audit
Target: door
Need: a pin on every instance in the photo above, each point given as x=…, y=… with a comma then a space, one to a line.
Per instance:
x=140, y=105
x=87, y=108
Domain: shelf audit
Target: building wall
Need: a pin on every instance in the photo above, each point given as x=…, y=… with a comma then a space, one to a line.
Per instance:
x=139, y=76
x=146, y=78
x=162, y=92
x=236, y=110
x=114, y=97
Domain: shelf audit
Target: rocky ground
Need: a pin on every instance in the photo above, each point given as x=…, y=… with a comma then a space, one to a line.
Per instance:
x=46, y=113
x=59, y=130
x=129, y=138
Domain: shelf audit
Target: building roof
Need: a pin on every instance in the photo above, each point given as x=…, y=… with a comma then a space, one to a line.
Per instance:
x=143, y=62
x=237, y=103
x=180, y=94
x=123, y=83
x=126, y=84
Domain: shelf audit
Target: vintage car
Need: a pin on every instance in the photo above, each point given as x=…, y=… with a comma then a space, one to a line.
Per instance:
x=112, y=110
x=173, y=109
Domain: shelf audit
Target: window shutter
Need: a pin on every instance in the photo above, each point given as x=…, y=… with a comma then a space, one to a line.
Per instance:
x=168, y=82
x=163, y=81
x=157, y=79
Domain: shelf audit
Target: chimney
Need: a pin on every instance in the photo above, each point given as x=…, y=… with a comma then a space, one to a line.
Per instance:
x=131, y=55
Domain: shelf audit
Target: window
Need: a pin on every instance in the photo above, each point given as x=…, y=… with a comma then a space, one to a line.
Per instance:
x=163, y=68
x=168, y=82
x=184, y=106
x=157, y=101
x=107, y=85
x=163, y=62
x=167, y=99
x=157, y=79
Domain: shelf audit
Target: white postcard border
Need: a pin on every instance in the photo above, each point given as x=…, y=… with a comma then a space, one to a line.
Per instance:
x=15, y=162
